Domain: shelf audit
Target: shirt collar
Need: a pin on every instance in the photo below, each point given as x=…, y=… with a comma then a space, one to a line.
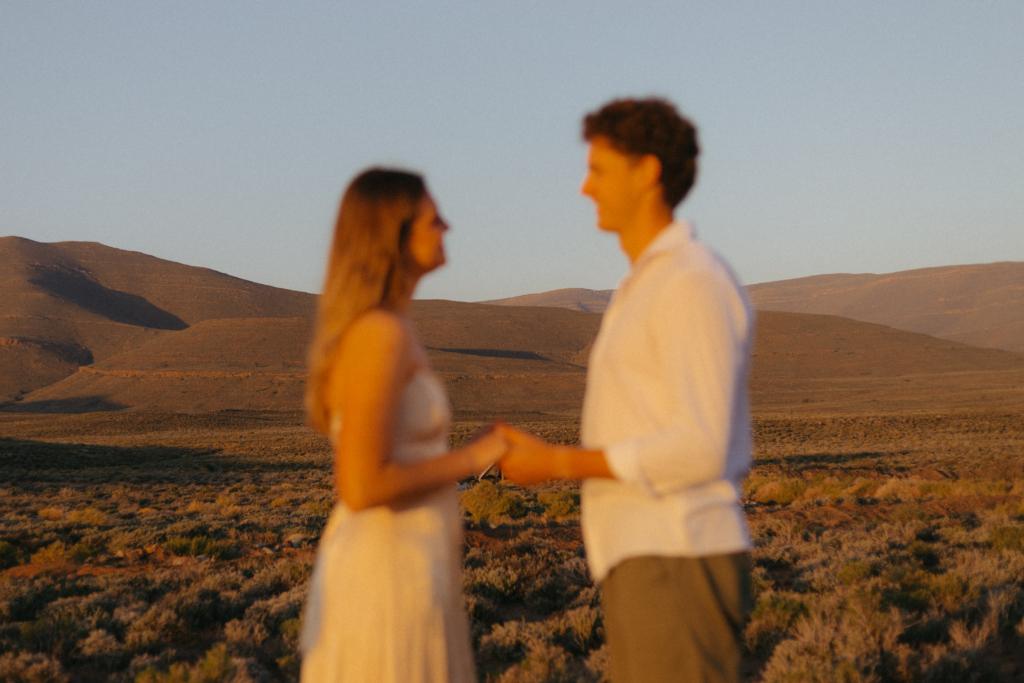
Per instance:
x=674, y=235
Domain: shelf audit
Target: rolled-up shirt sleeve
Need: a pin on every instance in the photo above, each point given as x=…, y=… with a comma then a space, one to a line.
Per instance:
x=698, y=340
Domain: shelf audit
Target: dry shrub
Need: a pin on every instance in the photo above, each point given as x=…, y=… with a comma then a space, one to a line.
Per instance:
x=951, y=591
x=281, y=576
x=773, y=616
x=899, y=489
x=26, y=667
x=86, y=549
x=551, y=581
x=102, y=648
x=909, y=588
x=506, y=643
x=598, y=664
x=1008, y=538
x=924, y=553
x=854, y=572
x=496, y=582
x=966, y=656
x=779, y=491
x=320, y=507
x=580, y=628
x=54, y=554
x=528, y=647
x=228, y=505
x=855, y=641
x=245, y=636
x=827, y=488
x=199, y=507
x=52, y=514
x=544, y=663
x=56, y=630
x=129, y=612
x=208, y=604
x=862, y=488
x=202, y=545
x=560, y=503
x=215, y=666
x=273, y=612
x=985, y=568
x=289, y=630
x=88, y=516
x=9, y=555
x=97, y=643
x=486, y=502
x=159, y=625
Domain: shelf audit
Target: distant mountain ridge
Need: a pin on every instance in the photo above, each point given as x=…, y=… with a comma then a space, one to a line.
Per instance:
x=576, y=299
x=978, y=304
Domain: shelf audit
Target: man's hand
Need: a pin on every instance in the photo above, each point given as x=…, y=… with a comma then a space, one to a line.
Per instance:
x=529, y=460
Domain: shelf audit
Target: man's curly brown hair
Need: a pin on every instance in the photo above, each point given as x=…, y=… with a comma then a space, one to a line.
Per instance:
x=650, y=126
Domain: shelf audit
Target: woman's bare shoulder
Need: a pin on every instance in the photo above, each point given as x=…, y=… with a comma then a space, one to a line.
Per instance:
x=378, y=340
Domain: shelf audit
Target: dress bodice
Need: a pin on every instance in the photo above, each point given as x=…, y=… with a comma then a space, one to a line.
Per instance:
x=422, y=419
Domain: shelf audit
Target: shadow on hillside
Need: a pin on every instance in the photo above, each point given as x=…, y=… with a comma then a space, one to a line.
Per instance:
x=78, y=404
x=492, y=353
x=42, y=461
x=811, y=459
x=78, y=287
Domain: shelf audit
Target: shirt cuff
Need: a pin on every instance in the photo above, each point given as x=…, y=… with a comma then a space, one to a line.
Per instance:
x=624, y=461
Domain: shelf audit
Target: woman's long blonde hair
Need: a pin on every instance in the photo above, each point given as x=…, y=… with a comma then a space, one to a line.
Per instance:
x=365, y=268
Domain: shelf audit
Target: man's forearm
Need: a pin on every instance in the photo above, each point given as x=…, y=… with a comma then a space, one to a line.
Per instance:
x=580, y=463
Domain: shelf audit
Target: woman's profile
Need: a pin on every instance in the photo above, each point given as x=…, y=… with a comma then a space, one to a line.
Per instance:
x=385, y=600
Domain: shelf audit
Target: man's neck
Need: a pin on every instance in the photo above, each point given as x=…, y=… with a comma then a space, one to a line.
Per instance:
x=636, y=238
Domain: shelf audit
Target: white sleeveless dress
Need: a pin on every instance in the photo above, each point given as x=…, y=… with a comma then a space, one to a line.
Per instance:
x=385, y=602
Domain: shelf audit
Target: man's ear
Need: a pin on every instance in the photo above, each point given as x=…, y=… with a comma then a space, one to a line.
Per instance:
x=649, y=167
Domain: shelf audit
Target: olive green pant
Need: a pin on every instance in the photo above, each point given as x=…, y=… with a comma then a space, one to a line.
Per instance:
x=677, y=619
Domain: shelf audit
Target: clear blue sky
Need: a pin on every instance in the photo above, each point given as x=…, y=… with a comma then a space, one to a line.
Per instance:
x=837, y=137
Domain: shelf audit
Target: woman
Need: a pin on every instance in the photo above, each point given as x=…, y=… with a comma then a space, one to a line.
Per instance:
x=385, y=600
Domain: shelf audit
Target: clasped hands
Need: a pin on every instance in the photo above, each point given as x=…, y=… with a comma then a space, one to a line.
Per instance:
x=523, y=458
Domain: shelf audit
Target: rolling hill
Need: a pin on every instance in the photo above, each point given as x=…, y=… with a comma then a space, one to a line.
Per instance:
x=980, y=305
x=70, y=304
x=528, y=361
x=118, y=338
x=259, y=363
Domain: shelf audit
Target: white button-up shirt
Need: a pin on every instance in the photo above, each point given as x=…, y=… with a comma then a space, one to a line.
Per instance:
x=667, y=402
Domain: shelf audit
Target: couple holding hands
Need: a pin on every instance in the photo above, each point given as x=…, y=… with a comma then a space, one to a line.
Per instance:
x=665, y=433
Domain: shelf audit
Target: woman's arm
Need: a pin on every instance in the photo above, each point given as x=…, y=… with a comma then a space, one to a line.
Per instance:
x=374, y=364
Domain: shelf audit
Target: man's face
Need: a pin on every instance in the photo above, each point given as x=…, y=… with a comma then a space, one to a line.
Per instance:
x=615, y=183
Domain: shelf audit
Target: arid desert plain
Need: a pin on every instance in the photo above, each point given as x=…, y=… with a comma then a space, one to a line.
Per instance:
x=162, y=498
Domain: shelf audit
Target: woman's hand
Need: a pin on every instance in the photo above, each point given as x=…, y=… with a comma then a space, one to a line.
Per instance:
x=530, y=459
x=486, y=449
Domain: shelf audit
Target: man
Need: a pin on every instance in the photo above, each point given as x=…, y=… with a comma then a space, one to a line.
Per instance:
x=666, y=422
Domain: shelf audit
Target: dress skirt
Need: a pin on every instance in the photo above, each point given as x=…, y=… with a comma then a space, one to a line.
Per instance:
x=385, y=602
